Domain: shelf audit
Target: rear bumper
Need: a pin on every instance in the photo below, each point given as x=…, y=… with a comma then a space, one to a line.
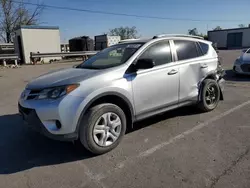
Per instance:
x=221, y=83
x=32, y=121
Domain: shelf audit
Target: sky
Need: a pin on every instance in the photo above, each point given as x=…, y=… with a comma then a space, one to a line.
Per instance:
x=74, y=23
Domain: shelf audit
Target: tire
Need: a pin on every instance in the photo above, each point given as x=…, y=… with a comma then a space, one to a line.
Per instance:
x=206, y=94
x=95, y=120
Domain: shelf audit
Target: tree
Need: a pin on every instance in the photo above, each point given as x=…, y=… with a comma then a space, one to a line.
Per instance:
x=193, y=31
x=204, y=36
x=241, y=25
x=124, y=32
x=13, y=15
x=217, y=28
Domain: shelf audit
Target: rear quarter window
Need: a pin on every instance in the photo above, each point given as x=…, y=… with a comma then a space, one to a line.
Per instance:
x=204, y=47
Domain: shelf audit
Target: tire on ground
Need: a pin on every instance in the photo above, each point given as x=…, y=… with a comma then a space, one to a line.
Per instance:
x=88, y=122
x=203, y=106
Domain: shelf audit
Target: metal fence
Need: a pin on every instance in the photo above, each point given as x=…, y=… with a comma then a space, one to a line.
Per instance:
x=35, y=57
x=63, y=54
x=5, y=57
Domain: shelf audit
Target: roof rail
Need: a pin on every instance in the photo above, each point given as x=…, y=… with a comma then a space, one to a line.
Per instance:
x=177, y=35
x=127, y=40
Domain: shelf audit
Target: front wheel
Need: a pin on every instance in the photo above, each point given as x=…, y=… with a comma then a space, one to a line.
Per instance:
x=210, y=95
x=102, y=128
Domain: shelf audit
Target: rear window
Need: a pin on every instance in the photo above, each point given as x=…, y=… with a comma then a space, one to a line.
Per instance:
x=204, y=47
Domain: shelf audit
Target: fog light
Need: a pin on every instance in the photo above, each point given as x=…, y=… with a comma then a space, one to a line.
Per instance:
x=58, y=124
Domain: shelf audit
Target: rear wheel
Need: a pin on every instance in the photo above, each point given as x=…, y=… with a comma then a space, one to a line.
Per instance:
x=102, y=128
x=210, y=95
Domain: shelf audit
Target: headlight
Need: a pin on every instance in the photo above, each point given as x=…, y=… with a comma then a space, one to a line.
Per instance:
x=56, y=92
x=238, y=61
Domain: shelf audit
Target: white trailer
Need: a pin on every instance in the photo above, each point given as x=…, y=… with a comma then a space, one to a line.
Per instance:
x=104, y=41
x=40, y=39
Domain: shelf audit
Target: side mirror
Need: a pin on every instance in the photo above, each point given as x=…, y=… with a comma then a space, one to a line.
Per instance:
x=244, y=51
x=144, y=64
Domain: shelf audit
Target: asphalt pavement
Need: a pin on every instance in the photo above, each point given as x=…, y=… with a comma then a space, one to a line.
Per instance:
x=180, y=148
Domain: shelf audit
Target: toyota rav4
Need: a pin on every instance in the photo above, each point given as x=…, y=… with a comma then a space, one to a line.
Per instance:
x=96, y=101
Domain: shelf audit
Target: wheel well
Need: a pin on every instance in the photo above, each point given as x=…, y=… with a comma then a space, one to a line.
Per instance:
x=211, y=76
x=119, y=101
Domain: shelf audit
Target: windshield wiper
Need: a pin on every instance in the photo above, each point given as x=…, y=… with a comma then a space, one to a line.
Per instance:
x=87, y=67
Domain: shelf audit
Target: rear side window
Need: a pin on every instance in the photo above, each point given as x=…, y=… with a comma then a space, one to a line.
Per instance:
x=159, y=52
x=186, y=49
x=204, y=47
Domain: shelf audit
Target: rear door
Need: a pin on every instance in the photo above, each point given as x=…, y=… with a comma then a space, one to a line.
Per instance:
x=192, y=69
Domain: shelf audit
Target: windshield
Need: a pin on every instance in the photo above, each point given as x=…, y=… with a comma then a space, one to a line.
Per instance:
x=111, y=57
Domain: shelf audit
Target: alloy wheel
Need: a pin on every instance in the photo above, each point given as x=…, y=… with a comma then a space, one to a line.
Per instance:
x=107, y=129
x=211, y=95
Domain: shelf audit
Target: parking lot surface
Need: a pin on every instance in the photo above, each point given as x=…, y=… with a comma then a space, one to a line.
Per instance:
x=180, y=148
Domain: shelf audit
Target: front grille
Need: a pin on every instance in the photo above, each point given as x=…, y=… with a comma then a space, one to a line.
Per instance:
x=245, y=67
x=33, y=94
x=31, y=97
x=24, y=110
x=35, y=91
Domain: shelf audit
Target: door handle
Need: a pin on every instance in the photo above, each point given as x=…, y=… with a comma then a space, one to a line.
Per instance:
x=173, y=71
x=203, y=66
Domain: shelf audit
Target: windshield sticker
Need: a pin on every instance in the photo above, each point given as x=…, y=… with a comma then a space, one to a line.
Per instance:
x=133, y=46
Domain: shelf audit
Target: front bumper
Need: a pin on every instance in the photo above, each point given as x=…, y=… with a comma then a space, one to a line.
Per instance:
x=33, y=122
x=49, y=112
x=243, y=69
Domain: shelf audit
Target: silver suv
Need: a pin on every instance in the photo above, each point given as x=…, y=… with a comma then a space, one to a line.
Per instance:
x=99, y=99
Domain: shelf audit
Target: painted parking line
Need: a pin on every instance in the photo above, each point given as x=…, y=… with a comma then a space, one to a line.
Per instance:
x=150, y=151
x=179, y=136
x=190, y=131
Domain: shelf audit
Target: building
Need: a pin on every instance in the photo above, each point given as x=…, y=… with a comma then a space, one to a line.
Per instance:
x=104, y=41
x=230, y=38
x=35, y=39
x=83, y=43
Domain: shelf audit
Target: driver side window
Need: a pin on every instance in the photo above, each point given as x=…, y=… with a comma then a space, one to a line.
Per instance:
x=160, y=53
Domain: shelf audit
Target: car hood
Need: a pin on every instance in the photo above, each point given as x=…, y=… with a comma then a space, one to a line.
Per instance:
x=62, y=77
x=245, y=58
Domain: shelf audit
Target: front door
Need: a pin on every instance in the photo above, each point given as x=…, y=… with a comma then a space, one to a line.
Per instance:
x=157, y=88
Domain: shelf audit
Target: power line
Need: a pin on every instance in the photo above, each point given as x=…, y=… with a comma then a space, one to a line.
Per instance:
x=123, y=14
